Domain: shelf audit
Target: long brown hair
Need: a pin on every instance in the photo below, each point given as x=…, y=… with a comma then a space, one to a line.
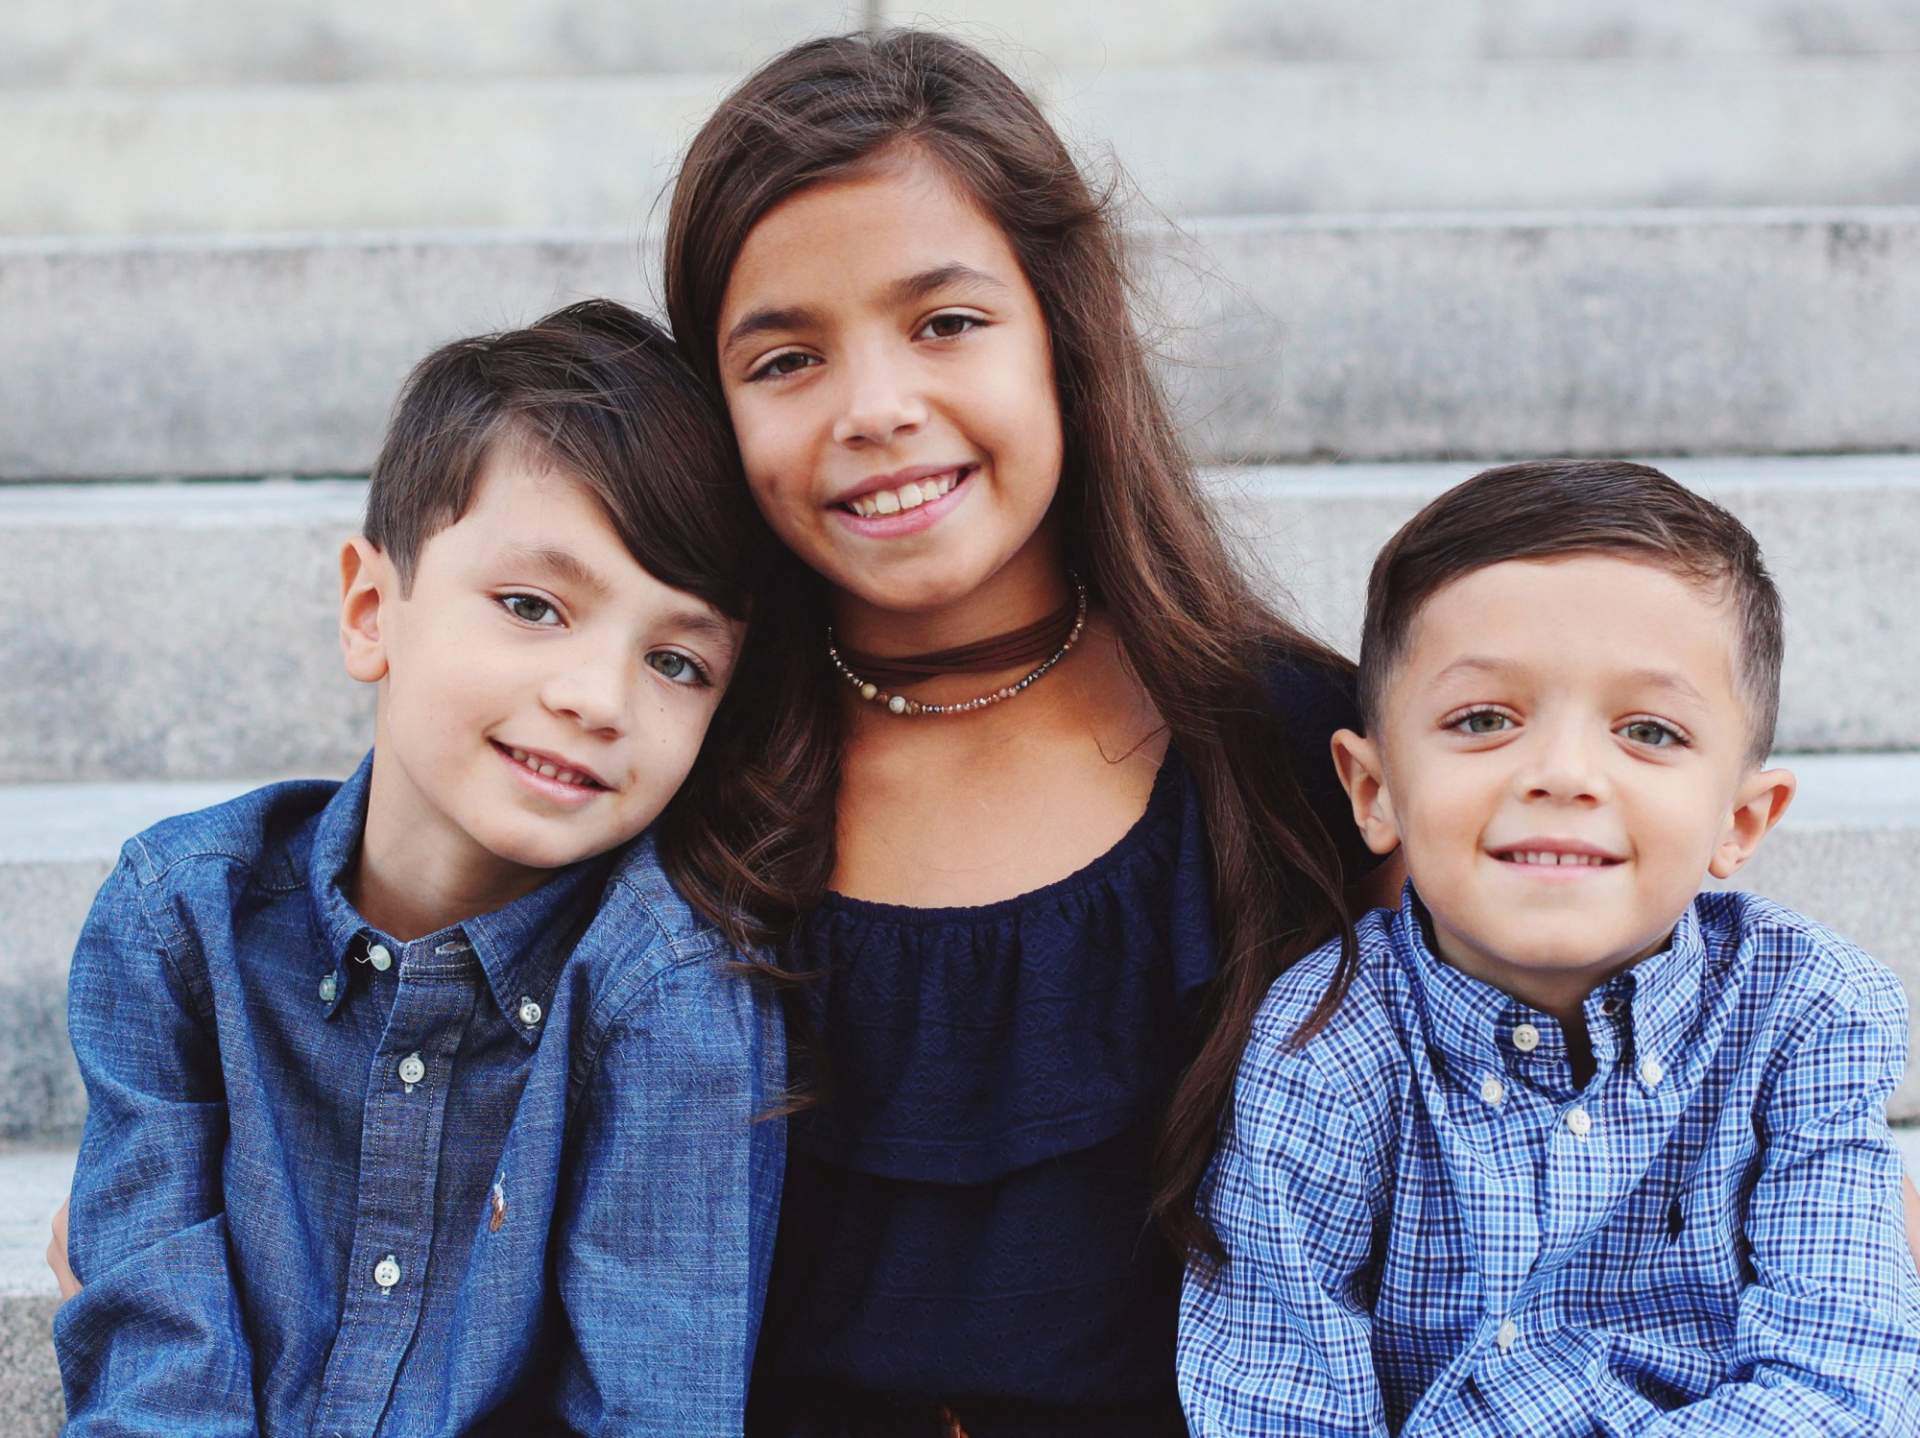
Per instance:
x=1135, y=525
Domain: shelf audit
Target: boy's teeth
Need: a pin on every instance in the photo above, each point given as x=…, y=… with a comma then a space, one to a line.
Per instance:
x=1552, y=860
x=546, y=770
x=910, y=495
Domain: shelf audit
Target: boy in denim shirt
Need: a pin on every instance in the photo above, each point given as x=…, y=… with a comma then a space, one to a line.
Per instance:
x=1565, y=1148
x=423, y=1103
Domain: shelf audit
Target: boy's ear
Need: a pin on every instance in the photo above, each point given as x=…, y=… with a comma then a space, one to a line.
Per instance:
x=366, y=579
x=1757, y=807
x=1357, y=760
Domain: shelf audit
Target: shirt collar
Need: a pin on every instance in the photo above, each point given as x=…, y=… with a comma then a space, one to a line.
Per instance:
x=519, y=948
x=1479, y=1029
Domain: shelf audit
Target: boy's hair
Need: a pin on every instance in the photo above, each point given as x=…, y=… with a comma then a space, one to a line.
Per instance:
x=1555, y=509
x=601, y=394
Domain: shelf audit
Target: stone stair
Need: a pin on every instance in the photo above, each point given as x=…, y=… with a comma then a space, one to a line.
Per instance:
x=1407, y=239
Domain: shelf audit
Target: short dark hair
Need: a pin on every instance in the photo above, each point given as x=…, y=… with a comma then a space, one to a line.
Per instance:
x=602, y=394
x=1558, y=508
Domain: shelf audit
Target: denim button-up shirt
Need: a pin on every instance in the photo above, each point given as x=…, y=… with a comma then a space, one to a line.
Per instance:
x=505, y=1176
x=1433, y=1228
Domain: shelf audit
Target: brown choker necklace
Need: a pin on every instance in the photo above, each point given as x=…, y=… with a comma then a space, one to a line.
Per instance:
x=1047, y=639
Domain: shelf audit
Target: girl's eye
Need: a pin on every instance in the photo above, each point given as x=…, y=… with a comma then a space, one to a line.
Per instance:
x=1652, y=733
x=949, y=326
x=531, y=609
x=1482, y=721
x=783, y=364
x=679, y=668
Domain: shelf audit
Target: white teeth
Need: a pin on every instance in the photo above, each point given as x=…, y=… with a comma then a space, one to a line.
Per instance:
x=1553, y=859
x=910, y=495
x=550, y=771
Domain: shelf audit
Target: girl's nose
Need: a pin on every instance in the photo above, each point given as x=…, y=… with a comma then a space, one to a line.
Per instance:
x=881, y=405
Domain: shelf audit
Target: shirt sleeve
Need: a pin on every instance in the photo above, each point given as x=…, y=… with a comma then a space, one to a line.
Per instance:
x=1827, y=1337
x=667, y=1207
x=1278, y=1341
x=154, y=1342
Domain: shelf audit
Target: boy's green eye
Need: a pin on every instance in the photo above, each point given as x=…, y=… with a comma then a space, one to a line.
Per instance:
x=1484, y=721
x=530, y=609
x=678, y=667
x=1650, y=732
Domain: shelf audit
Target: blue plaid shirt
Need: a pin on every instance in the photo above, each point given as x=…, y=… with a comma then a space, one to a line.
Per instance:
x=1432, y=1230
x=499, y=1179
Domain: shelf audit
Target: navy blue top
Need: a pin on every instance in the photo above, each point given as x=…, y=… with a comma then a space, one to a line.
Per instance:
x=965, y=1219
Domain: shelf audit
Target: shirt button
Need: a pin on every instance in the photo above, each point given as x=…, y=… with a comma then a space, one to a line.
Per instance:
x=1580, y=1122
x=380, y=958
x=529, y=1012
x=1492, y=1090
x=1651, y=1072
x=1505, y=1337
x=386, y=1272
x=412, y=1070
x=1526, y=1038
x=329, y=987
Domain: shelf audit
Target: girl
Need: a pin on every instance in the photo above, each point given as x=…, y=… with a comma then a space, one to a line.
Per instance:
x=1051, y=797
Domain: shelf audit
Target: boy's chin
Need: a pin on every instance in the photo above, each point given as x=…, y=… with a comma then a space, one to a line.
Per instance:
x=538, y=850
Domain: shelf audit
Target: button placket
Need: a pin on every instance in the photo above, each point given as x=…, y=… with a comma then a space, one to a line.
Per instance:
x=399, y=1174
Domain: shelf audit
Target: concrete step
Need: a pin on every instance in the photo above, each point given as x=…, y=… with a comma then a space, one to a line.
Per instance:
x=1846, y=853
x=197, y=42
x=1217, y=139
x=177, y=631
x=1662, y=332
x=174, y=631
x=218, y=42
x=33, y=1181
x=1138, y=33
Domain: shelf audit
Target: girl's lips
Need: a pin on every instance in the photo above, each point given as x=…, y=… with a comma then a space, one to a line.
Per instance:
x=571, y=795
x=909, y=521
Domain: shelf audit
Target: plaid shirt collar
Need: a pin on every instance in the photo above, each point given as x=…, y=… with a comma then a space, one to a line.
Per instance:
x=1649, y=1008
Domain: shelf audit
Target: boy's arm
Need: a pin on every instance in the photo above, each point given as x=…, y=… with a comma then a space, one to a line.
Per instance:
x=154, y=1342
x=1827, y=1337
x=1278, y=1341
x=667, y=1206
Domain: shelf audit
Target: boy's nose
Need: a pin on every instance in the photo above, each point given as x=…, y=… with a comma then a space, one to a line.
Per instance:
x=1563, y=767
x=591, y=695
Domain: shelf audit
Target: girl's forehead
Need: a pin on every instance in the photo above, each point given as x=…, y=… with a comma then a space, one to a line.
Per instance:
x=852, y=238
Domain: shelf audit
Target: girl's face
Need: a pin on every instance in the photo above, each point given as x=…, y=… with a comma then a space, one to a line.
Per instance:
x=886, y=364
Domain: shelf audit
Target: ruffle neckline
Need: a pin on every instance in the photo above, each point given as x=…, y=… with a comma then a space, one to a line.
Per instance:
x=969, y=1042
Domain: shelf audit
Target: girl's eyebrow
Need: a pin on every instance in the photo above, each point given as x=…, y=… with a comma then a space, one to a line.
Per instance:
x=760, y=321
x=940, y=277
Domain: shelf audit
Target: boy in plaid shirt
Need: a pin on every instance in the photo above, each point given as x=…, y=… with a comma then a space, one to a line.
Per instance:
x=1564, y=1147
